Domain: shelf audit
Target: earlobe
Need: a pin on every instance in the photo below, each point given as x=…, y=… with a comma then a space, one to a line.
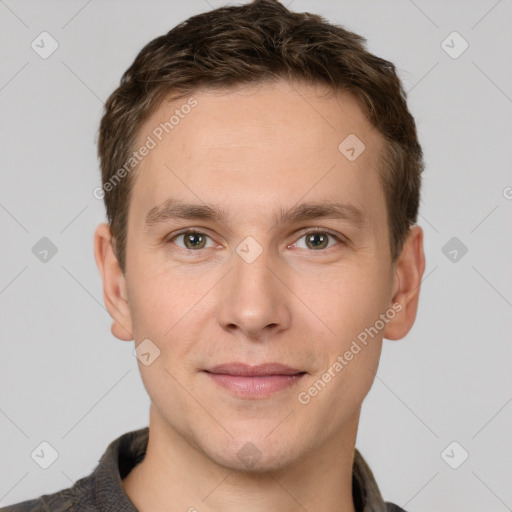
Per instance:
x=409, y=271
x=114, y=284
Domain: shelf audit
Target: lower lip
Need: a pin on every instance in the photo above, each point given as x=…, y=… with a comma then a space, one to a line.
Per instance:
x=257, y=386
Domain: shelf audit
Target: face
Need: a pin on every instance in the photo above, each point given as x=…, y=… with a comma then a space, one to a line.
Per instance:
x=292, y=273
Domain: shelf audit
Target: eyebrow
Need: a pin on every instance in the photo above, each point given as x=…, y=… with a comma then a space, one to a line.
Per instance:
x=172, y=209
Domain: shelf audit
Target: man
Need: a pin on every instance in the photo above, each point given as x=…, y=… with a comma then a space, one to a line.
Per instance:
x=261, y=176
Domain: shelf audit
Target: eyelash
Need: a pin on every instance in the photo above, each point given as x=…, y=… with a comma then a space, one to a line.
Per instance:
x=190, y=231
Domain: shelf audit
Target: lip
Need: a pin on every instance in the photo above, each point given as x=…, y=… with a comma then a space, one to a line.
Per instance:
x=258, y=381
x=260, y=370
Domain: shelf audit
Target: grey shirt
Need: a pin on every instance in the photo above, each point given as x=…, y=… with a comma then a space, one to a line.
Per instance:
x=102, y=490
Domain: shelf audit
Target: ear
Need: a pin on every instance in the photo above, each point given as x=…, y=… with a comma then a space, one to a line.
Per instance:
x=406, y=291
x=114, y=284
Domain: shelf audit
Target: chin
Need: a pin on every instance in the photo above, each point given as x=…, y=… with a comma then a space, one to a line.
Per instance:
x=259, y=464
x=255, y=455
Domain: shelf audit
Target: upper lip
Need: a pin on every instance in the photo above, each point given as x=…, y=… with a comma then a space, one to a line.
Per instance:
x=246, y=370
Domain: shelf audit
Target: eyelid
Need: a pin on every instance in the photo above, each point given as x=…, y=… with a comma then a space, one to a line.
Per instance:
x=305, y=231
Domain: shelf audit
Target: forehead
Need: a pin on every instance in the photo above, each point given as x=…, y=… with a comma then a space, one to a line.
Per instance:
x=270, y=144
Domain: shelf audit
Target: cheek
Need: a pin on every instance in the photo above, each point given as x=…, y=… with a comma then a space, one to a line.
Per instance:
x=160, y=299
x=360, y=297
x=345, y=300
x=171, y=308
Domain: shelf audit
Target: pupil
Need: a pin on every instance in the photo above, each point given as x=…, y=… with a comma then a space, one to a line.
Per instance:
x=194, y=240
x=312, y=238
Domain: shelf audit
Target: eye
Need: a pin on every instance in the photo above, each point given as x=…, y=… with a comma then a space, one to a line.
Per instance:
x=192, y=240
x=316, y=240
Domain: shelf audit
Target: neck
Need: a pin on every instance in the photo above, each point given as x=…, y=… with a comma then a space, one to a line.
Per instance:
x=175, y=475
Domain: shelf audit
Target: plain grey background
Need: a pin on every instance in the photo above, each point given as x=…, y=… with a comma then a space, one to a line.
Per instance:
x=65, y=380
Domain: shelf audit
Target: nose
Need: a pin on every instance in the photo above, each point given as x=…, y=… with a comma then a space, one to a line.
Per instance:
x=254, y=301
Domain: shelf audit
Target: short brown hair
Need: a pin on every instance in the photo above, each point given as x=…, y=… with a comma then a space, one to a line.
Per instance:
x=253, y=43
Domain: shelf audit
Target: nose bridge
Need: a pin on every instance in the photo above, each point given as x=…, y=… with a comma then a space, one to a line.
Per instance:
x=253, y=298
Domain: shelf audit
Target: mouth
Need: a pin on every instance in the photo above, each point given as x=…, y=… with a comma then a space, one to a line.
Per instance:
x=259, y=381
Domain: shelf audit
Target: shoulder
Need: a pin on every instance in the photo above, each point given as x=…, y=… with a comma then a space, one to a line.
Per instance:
x=100, y=490
x=80, y=497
